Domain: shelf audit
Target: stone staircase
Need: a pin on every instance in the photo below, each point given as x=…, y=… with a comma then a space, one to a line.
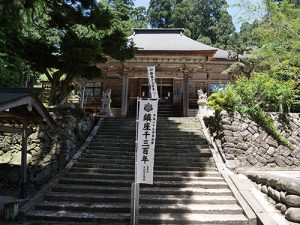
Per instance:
x=168, y=111
x=187, y=188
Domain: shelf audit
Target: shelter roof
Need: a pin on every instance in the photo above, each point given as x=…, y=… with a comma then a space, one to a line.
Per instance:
x=22, y=105
x=167, y=40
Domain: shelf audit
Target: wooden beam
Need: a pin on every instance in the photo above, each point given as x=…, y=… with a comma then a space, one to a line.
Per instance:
x=185, y=86
x=15, y=103
x=18, y=117
x=23, y=184
x=124, y=95
x=10, y=129
x=49, y=120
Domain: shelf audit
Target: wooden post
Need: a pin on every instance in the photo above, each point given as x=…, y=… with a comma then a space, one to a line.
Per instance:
x=185, y=102
x=23, y=184
x=135, y=187
x=124, y=95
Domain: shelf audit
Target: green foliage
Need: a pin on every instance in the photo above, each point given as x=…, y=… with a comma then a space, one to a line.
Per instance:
x=13, y=70
x=245, y=39
x=67, y=36
x=227, y=99
x=200, y=18
x=279, y=34
x=254, y=97
x=128, y=16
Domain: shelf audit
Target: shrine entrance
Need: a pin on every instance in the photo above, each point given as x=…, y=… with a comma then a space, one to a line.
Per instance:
x=169, y=91
x=164, y=88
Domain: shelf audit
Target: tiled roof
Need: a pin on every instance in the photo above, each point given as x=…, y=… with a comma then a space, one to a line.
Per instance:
x=166, y=40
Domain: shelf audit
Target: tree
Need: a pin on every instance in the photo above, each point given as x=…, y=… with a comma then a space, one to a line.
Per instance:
x=129, y=16
x=65, y=39
x=279, y=34
x=160, y=13
x=205, y=20
x=138, y=17
x=13, y=70
x=275, y=82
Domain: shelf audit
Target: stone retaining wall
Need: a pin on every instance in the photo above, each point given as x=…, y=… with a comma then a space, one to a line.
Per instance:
x=48, y=150
x=245, y=143
x=283, y=192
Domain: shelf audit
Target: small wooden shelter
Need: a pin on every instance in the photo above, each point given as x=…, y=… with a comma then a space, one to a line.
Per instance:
x=20, y=108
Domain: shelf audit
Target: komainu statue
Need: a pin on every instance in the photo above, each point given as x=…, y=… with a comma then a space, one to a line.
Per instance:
x=106, y=101
x=202, y=100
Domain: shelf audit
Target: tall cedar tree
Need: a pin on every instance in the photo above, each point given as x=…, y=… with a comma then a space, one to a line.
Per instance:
x=202, y=19
x=65, y=39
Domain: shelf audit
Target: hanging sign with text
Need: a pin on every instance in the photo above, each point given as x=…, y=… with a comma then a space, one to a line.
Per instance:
x=146, y=140
x=152, y=82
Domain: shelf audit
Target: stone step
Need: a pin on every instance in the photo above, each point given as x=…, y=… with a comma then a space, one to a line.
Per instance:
x=161, y=129
x=159, y=133
x=168, y=142
x=74, y=188
x=186, y=199
x=192, y=218
x=158, y=154
x=126, y=183
x=103, y=138
x=131, y=177
x=144, y=198
x=158, y=148
x=100, y=218
x=83, y=207
x=87, y=197
x=128, y=171
x=121, y=161
x=191, y=208
x=45, y=222
x=144, y=208
x=209, y=167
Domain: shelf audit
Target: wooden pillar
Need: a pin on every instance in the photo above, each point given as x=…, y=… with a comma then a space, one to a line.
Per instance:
x=185, y=100
x=124, y=95
x=23, y=183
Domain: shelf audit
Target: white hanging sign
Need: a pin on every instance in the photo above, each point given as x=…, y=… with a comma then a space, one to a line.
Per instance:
x=152, y=82
x=146, y=141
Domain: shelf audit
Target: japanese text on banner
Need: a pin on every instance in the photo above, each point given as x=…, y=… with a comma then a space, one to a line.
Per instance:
x=146, y=141
x=152, y=82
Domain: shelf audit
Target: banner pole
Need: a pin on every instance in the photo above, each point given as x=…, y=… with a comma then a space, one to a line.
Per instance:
x=135, y=187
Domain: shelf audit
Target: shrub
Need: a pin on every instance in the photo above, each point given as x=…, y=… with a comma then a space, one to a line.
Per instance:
x=254, y=97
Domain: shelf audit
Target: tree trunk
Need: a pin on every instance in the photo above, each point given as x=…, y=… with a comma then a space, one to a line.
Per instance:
x=59, y=88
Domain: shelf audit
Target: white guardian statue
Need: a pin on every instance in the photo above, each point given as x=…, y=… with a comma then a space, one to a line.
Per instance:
x=106, y=101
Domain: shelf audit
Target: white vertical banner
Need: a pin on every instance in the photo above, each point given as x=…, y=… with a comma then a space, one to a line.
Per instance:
x=152, y=82
x=146, y=141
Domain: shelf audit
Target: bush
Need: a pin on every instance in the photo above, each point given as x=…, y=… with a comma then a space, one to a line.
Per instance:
x=254, y=97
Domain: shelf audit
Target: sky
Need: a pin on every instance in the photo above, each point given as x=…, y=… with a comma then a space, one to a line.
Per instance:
x=238, y=15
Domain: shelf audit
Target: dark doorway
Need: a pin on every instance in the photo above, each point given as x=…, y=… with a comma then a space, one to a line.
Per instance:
x=164, y=88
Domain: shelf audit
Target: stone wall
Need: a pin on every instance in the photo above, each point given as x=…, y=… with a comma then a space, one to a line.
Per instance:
x=283, y=192
x=245, y=143
x=48, y=150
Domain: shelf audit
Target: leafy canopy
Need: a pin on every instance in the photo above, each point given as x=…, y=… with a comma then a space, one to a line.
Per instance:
x=64, y=39
x=203, y=20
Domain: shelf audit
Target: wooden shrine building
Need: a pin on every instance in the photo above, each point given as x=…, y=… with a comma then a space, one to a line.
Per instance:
x=183, y=66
